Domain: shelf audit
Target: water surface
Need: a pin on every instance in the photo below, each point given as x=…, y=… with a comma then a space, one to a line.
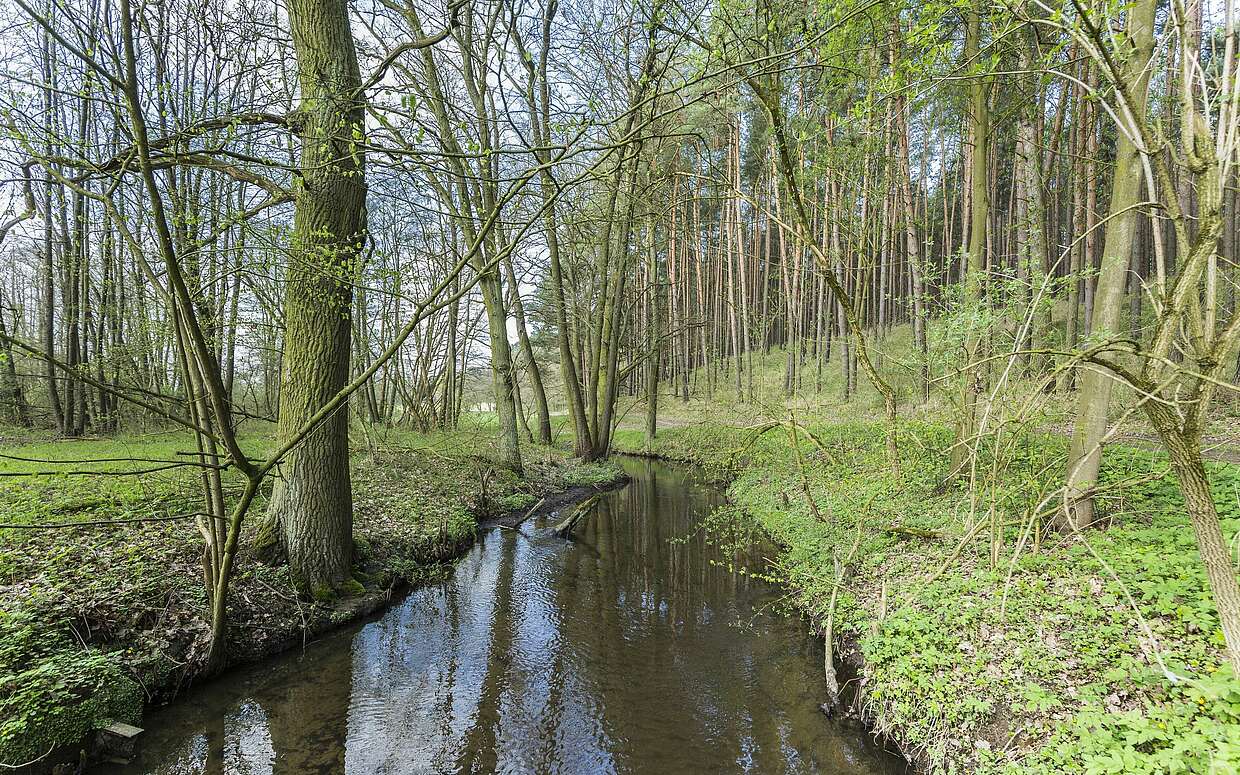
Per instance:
x=620, y=652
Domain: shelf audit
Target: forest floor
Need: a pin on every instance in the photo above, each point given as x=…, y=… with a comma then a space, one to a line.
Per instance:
x=97, y=620
x=816, y=393
x=984, y=650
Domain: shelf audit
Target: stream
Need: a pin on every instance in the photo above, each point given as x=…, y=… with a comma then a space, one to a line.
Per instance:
x=620, y=651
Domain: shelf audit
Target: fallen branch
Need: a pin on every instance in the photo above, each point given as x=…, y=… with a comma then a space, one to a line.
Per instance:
x=565, y=528
x=97, y=523
x=519, y=522
x=915, y=532
x=841, y=568
x=33, y=761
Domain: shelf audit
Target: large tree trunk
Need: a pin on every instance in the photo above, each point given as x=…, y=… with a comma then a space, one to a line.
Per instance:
x=1119, y=241
x=502, y=374
x=312, y=501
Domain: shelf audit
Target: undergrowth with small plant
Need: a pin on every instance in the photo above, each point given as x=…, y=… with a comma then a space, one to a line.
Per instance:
x=1012, y=649
x=102, y=615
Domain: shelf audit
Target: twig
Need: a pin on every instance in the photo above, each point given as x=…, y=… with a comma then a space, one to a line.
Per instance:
x=833, y=686
x=35, y=760
x=520, y=521
x=99, y=523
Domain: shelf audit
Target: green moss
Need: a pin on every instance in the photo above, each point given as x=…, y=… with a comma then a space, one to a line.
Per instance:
x=323, y=593
x=517, y=501
x=52, y=694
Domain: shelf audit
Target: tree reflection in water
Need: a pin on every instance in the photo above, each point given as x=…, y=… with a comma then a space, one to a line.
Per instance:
x=618, y=651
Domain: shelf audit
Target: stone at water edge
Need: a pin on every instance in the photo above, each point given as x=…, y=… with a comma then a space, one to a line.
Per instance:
x=117, y=742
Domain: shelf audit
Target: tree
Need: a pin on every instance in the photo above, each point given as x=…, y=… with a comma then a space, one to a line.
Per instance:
x=973, y=278
x=313, y=500
x=1132, y=75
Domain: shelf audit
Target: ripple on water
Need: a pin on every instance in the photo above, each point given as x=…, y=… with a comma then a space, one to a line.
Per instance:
x=620, y=651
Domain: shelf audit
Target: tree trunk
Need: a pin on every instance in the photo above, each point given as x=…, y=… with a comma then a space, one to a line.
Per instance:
x=974, y=271
x=1185, y=456
x=312, y=501
x=920, y=341
x=1031, y=255
x=1119, y=241
x=523, y=336
x=1077, y=251
x=10, y=387
x=502, y=375
x=652, y=339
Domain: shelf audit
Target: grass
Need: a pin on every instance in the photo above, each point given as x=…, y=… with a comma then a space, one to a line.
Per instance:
x=1053, y=658
x=95, y=620
x=1097, y=653
x=818, y=393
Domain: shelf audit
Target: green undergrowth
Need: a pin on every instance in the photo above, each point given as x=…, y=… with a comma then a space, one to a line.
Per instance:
x=92, y=614
x=53, y=695
x=818, y=391
x=1099, y=653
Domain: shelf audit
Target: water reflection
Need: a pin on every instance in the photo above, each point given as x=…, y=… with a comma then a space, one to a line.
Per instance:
x=622, y=651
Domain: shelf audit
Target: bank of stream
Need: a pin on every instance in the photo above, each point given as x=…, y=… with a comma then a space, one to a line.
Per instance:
x=634, y=647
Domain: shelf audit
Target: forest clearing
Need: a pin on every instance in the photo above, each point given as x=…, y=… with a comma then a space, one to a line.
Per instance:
x=536, y=386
